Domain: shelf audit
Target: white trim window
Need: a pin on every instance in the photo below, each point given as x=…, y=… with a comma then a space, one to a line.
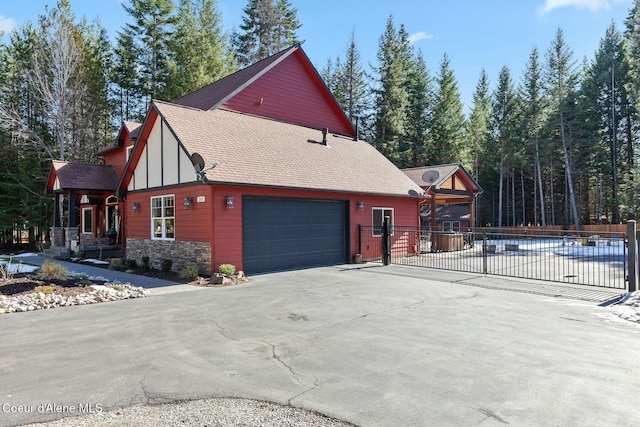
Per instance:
x=129, y=151
x=163, y=217
x=377, y=217
x=87, y=220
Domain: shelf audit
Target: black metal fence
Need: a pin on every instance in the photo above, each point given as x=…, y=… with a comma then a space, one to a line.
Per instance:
x=585, y=258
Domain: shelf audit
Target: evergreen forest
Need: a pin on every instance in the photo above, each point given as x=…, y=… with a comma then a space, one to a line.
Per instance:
x=558, y=145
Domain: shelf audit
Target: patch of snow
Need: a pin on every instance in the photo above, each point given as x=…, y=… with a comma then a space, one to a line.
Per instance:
x=17, y=267
x=28, y=254
x=627, y=309
x=96, y=261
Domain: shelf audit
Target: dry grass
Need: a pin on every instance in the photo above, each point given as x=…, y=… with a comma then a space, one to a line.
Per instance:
x=52, y=271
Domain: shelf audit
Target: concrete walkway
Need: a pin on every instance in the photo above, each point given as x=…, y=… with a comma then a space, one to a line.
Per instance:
x=372, y=346
x=154, y=285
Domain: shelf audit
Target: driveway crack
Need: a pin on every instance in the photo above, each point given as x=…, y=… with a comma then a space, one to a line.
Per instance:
x=275, y=356
x=151, y=398
x=310, y=388
x=222, y=331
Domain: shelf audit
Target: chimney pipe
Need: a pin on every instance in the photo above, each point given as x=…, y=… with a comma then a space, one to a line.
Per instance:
x=325, y=131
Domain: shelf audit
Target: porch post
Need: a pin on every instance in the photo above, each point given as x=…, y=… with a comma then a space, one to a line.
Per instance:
x=72, y=229
x=71, y=210
x=633, y=256
x=57, y=235
x=433, y=222
x=56, y=210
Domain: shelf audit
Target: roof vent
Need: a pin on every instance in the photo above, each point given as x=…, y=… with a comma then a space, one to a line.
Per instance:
x=325, y=131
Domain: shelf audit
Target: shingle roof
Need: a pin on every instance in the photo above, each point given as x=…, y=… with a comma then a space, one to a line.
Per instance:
x=133, y=128
x=444, y=172
x=85, y=176
x=214, y=94
x=251, y=150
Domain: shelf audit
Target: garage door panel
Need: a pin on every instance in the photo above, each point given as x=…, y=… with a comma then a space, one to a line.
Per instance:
x=281, y=234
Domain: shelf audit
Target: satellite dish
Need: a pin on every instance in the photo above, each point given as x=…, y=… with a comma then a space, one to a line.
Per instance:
x=430, y=176
x=198, y=162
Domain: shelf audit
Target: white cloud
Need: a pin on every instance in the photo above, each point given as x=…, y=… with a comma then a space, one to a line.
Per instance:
x=7, y=24
x=592, y=5
x=416, y=37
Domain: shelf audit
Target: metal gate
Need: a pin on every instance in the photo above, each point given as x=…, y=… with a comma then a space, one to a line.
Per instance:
x=560, y=256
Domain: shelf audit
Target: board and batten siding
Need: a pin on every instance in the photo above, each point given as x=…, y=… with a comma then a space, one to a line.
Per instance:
x=162, y=162
x=292, y=93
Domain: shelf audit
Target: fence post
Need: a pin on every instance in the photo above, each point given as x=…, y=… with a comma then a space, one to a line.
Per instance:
x=386, y=241
x=484, y=253
x=633, y=256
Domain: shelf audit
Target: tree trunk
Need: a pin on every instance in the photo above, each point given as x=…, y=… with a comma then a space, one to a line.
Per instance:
x=567, y=163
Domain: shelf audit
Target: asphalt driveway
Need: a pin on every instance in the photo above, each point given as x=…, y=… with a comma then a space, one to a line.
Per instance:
x=373, y=346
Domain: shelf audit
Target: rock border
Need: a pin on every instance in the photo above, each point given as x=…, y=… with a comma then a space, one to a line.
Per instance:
x=97, y=293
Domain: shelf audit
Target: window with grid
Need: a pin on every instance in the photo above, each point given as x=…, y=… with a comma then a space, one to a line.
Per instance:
x=163, y=218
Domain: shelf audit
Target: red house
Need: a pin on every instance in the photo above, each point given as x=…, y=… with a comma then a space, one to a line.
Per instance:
x=261, y=169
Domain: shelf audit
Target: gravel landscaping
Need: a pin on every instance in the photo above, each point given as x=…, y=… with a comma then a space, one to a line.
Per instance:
x=206, y=412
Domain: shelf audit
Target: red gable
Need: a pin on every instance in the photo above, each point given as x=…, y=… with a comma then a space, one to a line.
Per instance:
x=285, y=87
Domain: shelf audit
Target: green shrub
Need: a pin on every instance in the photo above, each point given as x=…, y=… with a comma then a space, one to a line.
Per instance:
x=145, y=262
x=191, y=272
x=227, y=269
x=132, y=263
x=116, y=262
x=45, y=289
x=85, y=282
x=166, y=264
x=52, y=271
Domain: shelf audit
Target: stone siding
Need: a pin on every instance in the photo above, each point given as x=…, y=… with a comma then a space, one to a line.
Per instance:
x=183, y=254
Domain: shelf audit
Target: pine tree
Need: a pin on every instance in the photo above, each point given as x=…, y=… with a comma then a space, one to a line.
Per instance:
x=151, y=32
x=93, y=124
x=477, y=132
x=127, y=94
x=561, y=79
x=391, y=96
x=199, y=52
x=268, y=26
x=504, y=133
x=420, y=99
x=532, y=93
x=448, y=122
x=25, y=140
x=354, y=82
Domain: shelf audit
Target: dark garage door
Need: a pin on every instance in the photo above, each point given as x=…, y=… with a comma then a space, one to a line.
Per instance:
x=280, y=234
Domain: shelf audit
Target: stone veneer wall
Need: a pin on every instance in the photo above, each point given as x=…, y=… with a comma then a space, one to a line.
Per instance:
x=183, y=254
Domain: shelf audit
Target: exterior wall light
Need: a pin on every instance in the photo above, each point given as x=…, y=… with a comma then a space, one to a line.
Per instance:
x=135, y=207
x=360, y=204
x=229, y=200
x=188, y=201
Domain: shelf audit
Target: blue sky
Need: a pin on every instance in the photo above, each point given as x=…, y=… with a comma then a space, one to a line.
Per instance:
x=475, y=34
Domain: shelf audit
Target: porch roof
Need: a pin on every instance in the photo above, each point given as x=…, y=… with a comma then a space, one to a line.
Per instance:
x=82, y=178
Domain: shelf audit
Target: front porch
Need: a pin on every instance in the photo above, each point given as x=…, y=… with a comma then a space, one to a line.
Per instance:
x=92, y=211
